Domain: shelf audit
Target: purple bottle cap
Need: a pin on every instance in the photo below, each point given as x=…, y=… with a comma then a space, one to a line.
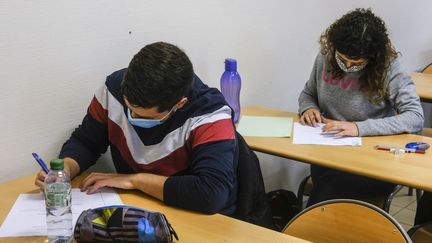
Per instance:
x=230, y=64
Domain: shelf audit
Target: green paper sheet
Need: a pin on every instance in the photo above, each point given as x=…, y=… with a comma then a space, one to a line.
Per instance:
x=265, y=126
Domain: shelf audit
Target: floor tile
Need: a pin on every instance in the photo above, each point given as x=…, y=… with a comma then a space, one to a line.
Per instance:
x=405, y=216
x=403, y=200
x=412, y=206
x=394, y=209
x=406, y=226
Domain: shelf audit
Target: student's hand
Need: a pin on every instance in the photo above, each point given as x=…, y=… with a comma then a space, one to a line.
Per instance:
x=311, y=117
x=340, y=128
x=98, y=180
x=40, y=178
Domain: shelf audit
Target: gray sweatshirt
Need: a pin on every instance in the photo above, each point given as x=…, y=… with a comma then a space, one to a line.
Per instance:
x=340, y=99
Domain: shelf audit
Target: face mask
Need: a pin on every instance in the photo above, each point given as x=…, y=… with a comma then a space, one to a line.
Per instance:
x=352, y=69
x=147, y=123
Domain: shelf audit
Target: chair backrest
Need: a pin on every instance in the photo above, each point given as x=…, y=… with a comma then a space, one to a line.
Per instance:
x=421, y=233
x=346, y=220
x=428, y=69
x=252, y=202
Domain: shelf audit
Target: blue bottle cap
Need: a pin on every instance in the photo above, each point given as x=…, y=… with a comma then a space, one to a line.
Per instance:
x=230, y=64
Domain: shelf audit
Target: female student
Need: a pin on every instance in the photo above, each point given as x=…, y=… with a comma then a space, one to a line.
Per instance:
x=357, y=88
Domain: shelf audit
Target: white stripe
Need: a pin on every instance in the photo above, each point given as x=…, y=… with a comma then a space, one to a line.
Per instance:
x=141, y=153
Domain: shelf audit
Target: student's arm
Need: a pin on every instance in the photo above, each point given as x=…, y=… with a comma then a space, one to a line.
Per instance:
x=407, y=104
x=308, y=97
x=150, y=184
x=308, y=100
x=212, y=180
x=87, y=142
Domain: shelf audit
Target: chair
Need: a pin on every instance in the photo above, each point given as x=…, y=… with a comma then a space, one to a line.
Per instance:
x=252, y=202
x=346, y=220
x=421, y=233
x=383, y=202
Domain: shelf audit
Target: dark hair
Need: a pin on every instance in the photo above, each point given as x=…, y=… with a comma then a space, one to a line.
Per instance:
x=159, y=75
x=361, y=34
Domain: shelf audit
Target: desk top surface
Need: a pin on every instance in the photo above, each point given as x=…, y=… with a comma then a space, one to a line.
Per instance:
x=414, y=170
x=423, y=83
x=190, y=226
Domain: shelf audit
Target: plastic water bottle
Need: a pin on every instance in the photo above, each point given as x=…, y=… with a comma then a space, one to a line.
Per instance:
x=58, y=203
x=230, y=84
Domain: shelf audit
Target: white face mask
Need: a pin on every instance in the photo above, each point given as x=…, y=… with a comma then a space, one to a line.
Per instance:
x=352, y=69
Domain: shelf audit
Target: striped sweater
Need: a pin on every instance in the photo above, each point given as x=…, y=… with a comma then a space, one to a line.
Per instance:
x=196, y=148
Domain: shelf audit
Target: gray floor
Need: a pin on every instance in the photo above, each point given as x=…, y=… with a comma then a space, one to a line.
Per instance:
x=403, y=208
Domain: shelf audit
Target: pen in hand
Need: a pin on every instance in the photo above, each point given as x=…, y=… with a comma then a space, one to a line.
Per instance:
x=40, y=162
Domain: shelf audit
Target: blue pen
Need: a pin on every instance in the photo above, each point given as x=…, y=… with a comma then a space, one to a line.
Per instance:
x=40, y=162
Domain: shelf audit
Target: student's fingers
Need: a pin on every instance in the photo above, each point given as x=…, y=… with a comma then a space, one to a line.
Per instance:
x=331, y=126
x=89, y=180
x=342, y=134
x=93, y=178
x=40, y=178
x=302, y=119
x=312, y=119
x=307, y=120
x=39, y=184
x=99, y=184
x=317, y=115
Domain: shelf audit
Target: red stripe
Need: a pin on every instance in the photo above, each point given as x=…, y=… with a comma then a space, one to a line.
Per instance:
x=212, y=132
x=171, y=164
x=97, y=111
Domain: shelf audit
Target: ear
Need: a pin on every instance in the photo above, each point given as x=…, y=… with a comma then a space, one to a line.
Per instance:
x=181, y=103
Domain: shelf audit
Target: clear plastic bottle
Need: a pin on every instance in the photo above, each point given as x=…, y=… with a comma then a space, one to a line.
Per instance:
x=230, y=84
x=58, y=203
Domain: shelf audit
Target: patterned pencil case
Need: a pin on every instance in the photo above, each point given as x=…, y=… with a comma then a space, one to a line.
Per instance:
x=122, y=224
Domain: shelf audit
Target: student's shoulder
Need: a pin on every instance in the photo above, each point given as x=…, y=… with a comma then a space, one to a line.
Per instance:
x=116, y=77
x=113, y=82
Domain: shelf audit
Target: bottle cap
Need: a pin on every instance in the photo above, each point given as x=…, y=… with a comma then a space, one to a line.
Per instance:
x=57, y=164
x=230, y=64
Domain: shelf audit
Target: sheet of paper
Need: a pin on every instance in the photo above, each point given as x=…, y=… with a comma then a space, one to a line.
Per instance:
x=28, y=218
x=265, y=126
x=314, y=135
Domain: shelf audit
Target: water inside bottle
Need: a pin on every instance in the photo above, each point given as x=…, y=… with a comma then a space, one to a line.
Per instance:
x=58, y=212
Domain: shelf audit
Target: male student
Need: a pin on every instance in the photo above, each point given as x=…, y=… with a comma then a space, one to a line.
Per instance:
x=170, y=135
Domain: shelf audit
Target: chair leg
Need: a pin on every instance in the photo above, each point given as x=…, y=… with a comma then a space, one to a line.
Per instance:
x=389, y=198
x=419, y=193
x=300, y=193
x=410, y=191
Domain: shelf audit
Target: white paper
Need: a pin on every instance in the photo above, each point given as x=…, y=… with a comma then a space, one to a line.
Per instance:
x=314, y=135
x=28, y=217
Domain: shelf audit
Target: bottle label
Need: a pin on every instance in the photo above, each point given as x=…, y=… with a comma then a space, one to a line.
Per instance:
x=58, y=195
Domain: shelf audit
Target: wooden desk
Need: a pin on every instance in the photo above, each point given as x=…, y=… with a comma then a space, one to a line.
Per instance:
x=414, y=170
x=423, y=83
x=190, y=226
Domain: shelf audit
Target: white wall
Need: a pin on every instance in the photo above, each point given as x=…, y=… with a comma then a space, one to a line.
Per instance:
x=53, y=54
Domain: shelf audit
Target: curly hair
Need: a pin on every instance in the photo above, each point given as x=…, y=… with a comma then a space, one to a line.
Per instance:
x=361, y=34
x=159, y=75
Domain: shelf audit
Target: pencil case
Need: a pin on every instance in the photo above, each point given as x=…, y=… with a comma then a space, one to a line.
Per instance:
x=122, y=224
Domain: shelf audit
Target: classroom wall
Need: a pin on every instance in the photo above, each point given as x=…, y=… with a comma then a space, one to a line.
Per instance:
x=54, y=54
